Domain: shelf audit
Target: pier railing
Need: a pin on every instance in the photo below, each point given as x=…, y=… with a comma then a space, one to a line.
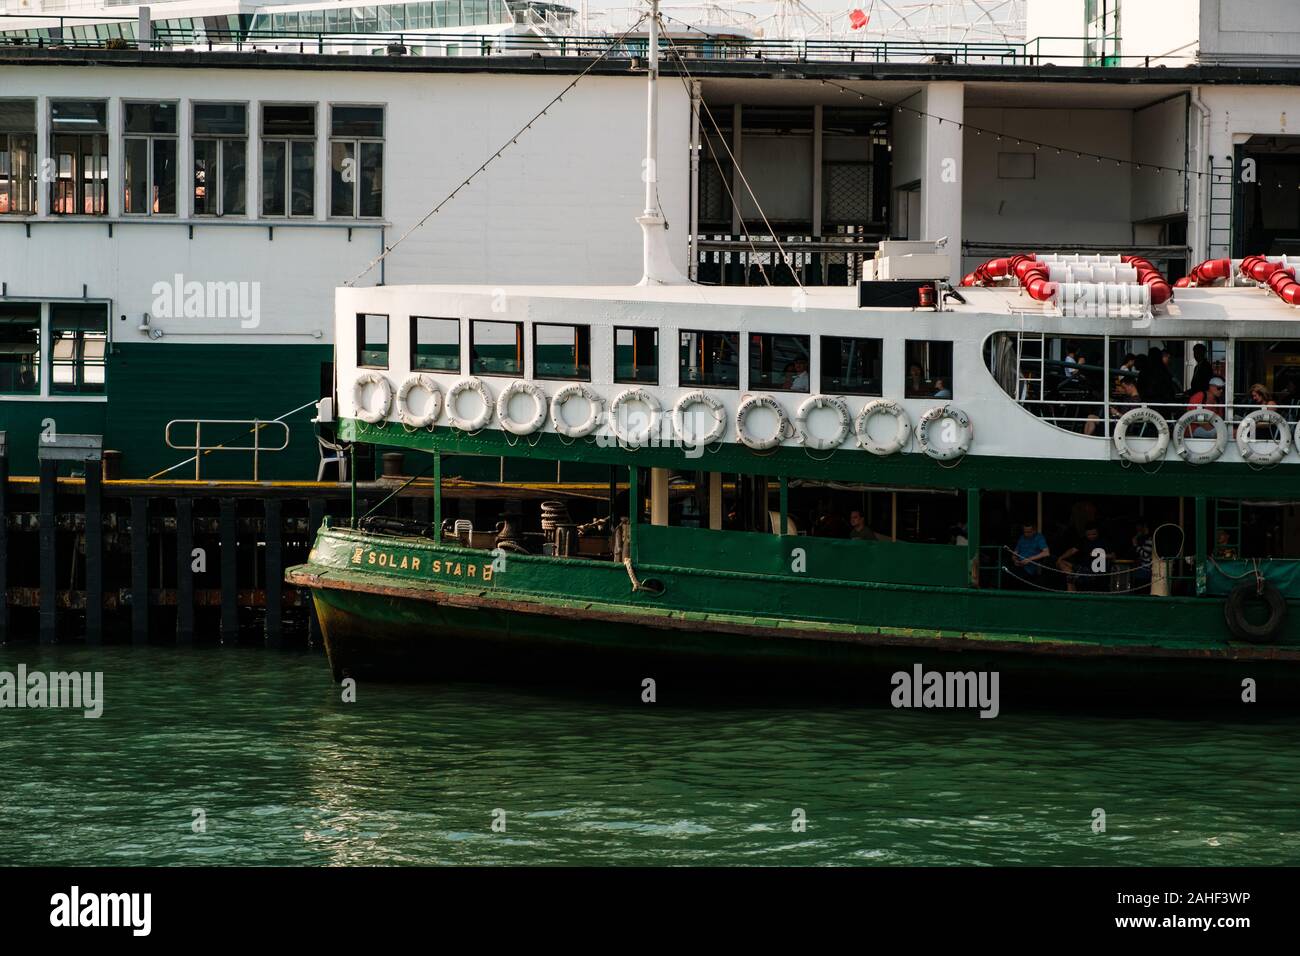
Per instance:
x=254, y=428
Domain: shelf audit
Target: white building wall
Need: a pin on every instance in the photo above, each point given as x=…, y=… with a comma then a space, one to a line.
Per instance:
x=1159, y=140
x=1249, y=28
x=558, y=207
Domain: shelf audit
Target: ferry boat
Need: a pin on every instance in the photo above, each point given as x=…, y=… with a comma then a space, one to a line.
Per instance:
x=1014, y=471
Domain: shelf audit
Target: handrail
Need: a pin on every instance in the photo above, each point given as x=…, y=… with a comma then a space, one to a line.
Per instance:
x=201, y=449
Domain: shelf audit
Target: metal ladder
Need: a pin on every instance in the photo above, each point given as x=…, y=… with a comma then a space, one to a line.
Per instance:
x=1031, y=348
x=1219, y=239
x=1227, y=517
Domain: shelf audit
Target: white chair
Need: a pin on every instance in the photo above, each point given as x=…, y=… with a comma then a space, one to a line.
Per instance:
x=331, y=454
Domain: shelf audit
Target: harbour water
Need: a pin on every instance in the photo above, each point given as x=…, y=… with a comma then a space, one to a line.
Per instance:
x=250, y=756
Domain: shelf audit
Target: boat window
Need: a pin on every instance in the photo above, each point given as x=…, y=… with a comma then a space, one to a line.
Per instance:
x=288, y=160
x=779, y=363
x=1266, y=374
x=496, y=348
x=149, y=153
x=851, y=366
x=1061, y=379
x=18, y=157
x=711, y=359
x=435, y=344
x=20, y=348
x=80, y=151
x=562, y=351
x=220, y=158
x=929, y=369
x=1182, y=369
x=372, y=341
x=78, y=337
x=636, y=355
x=357, y=161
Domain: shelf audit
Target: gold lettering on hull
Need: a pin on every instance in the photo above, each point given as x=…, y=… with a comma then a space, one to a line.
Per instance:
x=409, y=562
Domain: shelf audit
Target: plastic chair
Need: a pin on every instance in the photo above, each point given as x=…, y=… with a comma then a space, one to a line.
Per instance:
x=331, y=454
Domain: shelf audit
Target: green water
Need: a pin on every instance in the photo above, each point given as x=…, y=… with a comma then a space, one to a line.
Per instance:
x=285, y=772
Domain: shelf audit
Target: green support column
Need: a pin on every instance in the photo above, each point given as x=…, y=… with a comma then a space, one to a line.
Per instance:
x=437, y=493
x=784, y=496
x=1202, y=527
x=973, y=534
x=633, y=505
x=352, y=473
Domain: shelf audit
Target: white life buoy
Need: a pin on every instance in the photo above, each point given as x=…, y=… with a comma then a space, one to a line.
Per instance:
x=902, y=429
x=956, y=449
x=1191, y=419
x=595, y=403
x=715, y=432
x=540, y=407
x=1247, y=442
x=408, y=417
x=1141, y=416
x=478, y=387
x=752, y=441
x=641, y=435
x=824, y=401
x=364, y=412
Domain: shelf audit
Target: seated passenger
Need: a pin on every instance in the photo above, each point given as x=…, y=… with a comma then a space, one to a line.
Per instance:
x=859, y=530
x=1076, y=563
x=941, y=389
x=1211, y=398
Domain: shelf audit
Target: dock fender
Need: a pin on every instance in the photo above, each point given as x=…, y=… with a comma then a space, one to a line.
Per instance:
x=902, y=429
x=478, y=387
x=540, y=407
x=1200, y=416
x=815, y=402
x=590, y=423
x=1249, y=446
x=748, y=438
x=639, y=436
x=1131, y=419
x=716, y=409
x=961, y=442
x=426, y=382
x=368, y=413
x=1234, y=612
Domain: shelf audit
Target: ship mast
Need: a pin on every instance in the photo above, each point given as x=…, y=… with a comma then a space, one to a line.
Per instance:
x=658, y=268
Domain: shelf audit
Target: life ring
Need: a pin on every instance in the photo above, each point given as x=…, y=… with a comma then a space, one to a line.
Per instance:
x=809, y=406
x=1137, y=416
x=590, y=423
x=1200, y=416
x=540, y=407
x=426, y=382
x=364, y=412
x=715, y=432
x=954, y=414
x=1247, y=428
x=641, y=436
x=454, y=393
x=743, y=433
x=902, y=430
x=1234, y=612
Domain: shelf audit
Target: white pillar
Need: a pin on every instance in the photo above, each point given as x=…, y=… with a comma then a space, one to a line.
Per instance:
x=715, y=501
x=659, y=496
x=942, y=182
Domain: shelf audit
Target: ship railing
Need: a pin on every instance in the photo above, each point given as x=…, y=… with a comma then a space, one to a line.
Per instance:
x=254, y=426
x=1097, y=417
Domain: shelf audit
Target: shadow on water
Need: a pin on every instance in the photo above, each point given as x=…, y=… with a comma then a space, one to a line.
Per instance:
x=282, y=770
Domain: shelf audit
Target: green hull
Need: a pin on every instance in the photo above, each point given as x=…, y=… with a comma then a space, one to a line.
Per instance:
x=410, y=608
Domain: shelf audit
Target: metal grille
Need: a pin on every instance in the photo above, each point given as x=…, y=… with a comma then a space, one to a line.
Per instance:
x=847, y=193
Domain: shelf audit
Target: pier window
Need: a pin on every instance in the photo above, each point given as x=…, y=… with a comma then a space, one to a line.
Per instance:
x=18, y=157
x=636, y=355
x=20, y=348
x=149, y=150
x=562, y=351
x=357, y=161
x=711, y=359
x=779, y=363
x=220, y=158
x=288, y=160
x=78, y=341
x=79, y=131
x=435, y=344
x=496, y=348
x=372, y=341
x=851, y=366
x=929, y=369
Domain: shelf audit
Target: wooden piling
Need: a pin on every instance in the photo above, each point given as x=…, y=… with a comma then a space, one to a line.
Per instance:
x=139, y=569
x=229, y=573
x=272, y=528
x=184, y=571
x=94, y=542
x=315, y=518
x=49, y=471
x=4, y=542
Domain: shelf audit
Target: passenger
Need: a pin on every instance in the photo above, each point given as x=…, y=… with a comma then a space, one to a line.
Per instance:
x=915, y=382
x=1031, y=547
x=1129, y=364
x=1262, y=397
x=1203, y=372
x=859, y=530
x=1143, y=551
x=1072, y=363
x=1223, y=549
x=1077, y=560
x=1155, y=384
x=941, y=389
x=799, y=379
x=1212, y=399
